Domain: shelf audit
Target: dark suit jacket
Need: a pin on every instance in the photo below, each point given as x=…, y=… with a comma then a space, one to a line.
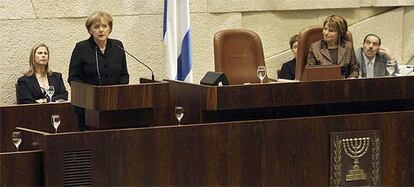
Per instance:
x=319, y=55
x=111, y=69
x=288, y=70
x=29, y=89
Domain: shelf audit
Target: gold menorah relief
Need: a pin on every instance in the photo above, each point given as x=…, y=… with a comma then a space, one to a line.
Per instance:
x=355, y=148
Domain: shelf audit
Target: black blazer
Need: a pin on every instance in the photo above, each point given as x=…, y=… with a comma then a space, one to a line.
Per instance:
x=288, y=70
x=29, y=89
x=89, y=65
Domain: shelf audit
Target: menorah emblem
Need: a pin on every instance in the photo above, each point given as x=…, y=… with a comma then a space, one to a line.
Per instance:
x=355, y=148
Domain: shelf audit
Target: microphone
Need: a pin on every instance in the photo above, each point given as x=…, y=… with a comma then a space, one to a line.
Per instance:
x=152, y=73
x=97, y=66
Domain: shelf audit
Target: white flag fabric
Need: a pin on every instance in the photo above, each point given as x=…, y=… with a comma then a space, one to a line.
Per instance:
x=177, y=39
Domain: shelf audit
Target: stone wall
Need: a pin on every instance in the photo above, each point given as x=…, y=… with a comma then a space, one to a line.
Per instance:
x=138, y=23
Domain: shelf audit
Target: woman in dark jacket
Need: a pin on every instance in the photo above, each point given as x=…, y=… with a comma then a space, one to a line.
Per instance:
x=33, y=85
x=98, y=60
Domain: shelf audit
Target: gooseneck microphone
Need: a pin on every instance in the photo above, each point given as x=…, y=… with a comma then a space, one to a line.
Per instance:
x=152, y=73
x=97, y=67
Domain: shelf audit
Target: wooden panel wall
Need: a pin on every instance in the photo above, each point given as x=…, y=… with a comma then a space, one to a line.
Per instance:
x=289, y=152
x=21, y=168
x=34, y=116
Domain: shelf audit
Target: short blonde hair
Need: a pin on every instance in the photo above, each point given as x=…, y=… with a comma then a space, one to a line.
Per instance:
x=338, y=23
x=32, y=68
x=96, y=18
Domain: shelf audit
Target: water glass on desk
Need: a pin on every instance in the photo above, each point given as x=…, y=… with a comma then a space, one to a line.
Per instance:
x=55, y=119
x=391, y=68
x=17, y=139
x=50, y=91
x=179, y=113
x=261, y=73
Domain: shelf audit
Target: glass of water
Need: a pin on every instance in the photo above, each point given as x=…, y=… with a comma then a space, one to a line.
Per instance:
x=55, y=121
x=50, y=91
x=261, y=73
x=179, y=113
x=391, y=68
x=17, y=139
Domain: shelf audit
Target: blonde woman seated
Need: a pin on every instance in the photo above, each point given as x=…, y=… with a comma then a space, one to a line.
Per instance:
x=333, y=48
x=33, y=84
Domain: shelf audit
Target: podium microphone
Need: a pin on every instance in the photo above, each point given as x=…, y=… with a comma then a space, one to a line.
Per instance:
x=152, y=73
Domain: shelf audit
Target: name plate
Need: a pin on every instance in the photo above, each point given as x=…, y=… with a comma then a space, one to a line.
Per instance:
x=323, y=72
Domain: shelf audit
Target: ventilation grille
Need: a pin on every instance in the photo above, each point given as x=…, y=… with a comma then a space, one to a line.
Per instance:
x=77, y=168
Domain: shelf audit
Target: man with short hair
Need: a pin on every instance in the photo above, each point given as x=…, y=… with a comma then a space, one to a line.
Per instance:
x=373, y=58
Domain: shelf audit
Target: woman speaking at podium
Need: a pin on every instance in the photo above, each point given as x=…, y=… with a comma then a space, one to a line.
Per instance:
x=333, y=48
x=99, y=59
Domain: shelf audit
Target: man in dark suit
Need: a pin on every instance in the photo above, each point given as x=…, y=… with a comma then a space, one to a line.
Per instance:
x=289, y=68
x=373, y=59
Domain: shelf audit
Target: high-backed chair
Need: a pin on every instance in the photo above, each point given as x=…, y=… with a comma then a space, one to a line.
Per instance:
x=238, y=53
x=306, y=37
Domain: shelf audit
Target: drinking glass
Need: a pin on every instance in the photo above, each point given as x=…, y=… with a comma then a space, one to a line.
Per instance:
x=55, y=121
x=17, y=139
x=261, y=73
x=391, y=68
x=179, y=113
x=50, y=91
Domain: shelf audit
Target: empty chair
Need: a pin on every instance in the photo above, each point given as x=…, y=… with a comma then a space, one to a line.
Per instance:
x=238, y=53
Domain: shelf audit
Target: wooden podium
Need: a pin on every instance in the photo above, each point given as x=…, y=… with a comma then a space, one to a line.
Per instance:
x=117, y=106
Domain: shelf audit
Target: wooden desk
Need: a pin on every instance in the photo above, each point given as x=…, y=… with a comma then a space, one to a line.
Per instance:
x=34, y=116
x=287, y=152
x=21, y=168
x=297, y=99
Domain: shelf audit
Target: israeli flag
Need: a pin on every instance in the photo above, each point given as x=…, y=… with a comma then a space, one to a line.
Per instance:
x=177, y=39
